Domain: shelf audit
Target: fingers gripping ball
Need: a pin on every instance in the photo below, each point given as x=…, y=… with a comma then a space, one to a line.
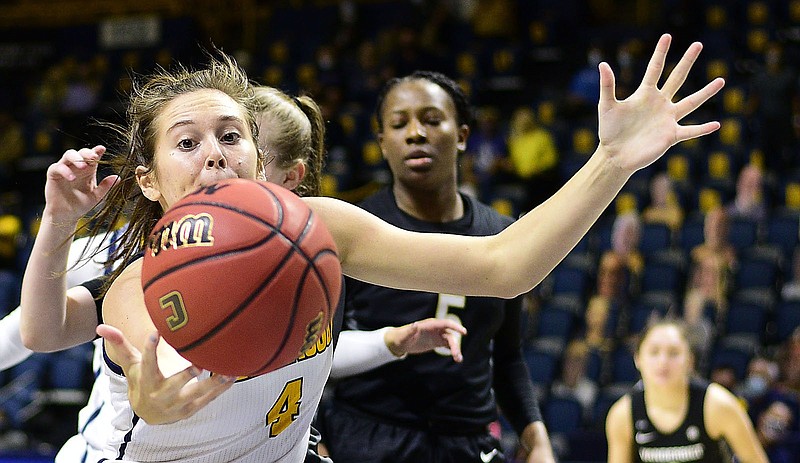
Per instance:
x=240, y=277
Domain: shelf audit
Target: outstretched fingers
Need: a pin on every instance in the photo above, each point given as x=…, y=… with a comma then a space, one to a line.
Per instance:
x=656, y=65
x=687, y=105
x=678, y=75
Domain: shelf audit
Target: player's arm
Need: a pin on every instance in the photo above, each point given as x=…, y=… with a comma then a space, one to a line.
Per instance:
x=53, y=318
x=12, y=350
x=514, y=388
x=619, y=431
x=162, y=385
x=633, y=134
x=725, y=417
x=361, y=351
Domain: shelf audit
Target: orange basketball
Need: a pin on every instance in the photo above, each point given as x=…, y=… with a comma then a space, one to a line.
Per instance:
x=240, y=277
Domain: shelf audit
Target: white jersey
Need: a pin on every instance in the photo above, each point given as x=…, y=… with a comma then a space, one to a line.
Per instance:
x=94, y=420
x=262, y=419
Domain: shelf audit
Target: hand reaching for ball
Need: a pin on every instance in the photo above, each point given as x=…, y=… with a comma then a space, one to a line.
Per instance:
x=155, y=398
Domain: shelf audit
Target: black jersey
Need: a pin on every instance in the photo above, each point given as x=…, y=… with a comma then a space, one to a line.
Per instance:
x=688, y=443
x=431, y=391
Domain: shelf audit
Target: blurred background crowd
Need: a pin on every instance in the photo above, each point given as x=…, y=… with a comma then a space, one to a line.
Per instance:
x=709, y=233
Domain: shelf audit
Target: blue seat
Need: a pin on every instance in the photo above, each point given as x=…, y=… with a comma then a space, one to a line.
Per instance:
x=743, y=233
x=570, y=280
x=562, y=414
x=640, y=315
x=691, y=233
x=623, y=369
x=662, y=276
x=542, y=366
x=756, y=273
x=655, y=237
x=787, y=319
x=746, y=318
x=737, y=359
x=595, y=364
x=555, y=321
x=782, y=230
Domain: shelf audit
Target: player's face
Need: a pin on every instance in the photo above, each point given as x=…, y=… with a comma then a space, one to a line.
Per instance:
x=421, y=137
x=664, y=358
x=202, y=137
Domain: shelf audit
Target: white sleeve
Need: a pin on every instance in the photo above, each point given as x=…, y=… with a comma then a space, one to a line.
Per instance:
x=360, y=351
x=12, y=351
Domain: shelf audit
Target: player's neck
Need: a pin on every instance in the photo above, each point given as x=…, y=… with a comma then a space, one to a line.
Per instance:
x=440, y=206
x=670, y=397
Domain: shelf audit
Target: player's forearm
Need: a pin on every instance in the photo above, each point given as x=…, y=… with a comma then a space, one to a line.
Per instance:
x=531, y=247
x=43, y=297
x=360, y=351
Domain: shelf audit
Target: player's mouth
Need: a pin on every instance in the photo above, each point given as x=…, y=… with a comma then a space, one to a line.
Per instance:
x=418, y=159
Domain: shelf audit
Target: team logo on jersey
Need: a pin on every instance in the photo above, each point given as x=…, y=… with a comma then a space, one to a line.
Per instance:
x=317, y=338
x=190, y=230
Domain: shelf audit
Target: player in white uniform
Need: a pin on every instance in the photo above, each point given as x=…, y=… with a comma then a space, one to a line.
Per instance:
x=200, y=132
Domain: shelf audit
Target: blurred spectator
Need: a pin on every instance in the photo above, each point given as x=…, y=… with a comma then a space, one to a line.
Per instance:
x=707, y=291
x=534, y=156
x=761, y=387
x=626, y=234
x=773, y=91
x=789, y=362
x=613, y=281
x=724, y=375
x=583, y=91
x=573, y=381
x=790, y=291
x=749, y=202
x=486, y=158
x=598, y=335
x=774, y=430
x=664, y=206
x=12, y=147
x=715, y=239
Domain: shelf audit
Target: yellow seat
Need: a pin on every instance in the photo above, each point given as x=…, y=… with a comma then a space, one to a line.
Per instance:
x=371, y=153
x=793, y=196
x=503, y=206
x=626, y=202
x=678, y=168
x=719, y=165
x=708, y=200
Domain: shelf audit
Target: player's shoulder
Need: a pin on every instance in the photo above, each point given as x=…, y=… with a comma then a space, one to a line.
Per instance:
x=486, y=213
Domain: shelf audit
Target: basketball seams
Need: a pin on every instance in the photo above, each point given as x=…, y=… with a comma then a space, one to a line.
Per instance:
x=304, y=252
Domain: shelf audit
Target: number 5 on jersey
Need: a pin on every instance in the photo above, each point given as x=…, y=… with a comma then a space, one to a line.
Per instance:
x=446, y=302
x=286, y=408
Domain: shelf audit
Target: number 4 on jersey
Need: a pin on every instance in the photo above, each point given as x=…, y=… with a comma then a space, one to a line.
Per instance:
x=286, y=409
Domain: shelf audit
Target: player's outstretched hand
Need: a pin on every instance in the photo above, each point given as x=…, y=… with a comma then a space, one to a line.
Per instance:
x=72, y=189
x=635, y=132
x=156, y=399
x=425, y=335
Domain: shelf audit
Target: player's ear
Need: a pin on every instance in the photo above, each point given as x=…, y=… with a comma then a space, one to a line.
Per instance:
x=463, y=134
x=144, y=177
x=294, y=176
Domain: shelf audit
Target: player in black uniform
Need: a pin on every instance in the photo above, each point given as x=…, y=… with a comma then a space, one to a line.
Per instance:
x=427, y=407
x=675, y=417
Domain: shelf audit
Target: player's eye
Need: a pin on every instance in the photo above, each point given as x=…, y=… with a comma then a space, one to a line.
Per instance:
x=231, y=137
x=186, y=144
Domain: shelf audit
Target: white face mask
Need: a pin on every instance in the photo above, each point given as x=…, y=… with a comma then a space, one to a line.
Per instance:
x=754, y=386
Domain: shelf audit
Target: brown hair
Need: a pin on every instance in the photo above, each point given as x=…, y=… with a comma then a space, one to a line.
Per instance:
x=138, y=138
x=297, y=134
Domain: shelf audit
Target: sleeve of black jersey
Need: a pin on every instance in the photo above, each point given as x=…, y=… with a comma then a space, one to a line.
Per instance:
x=512, y=382
x=95, y=287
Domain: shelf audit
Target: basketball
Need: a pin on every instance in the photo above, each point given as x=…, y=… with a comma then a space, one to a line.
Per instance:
x=240, y=277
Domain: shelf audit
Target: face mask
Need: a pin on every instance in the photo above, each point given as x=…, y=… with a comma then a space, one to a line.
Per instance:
x=754, y=386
